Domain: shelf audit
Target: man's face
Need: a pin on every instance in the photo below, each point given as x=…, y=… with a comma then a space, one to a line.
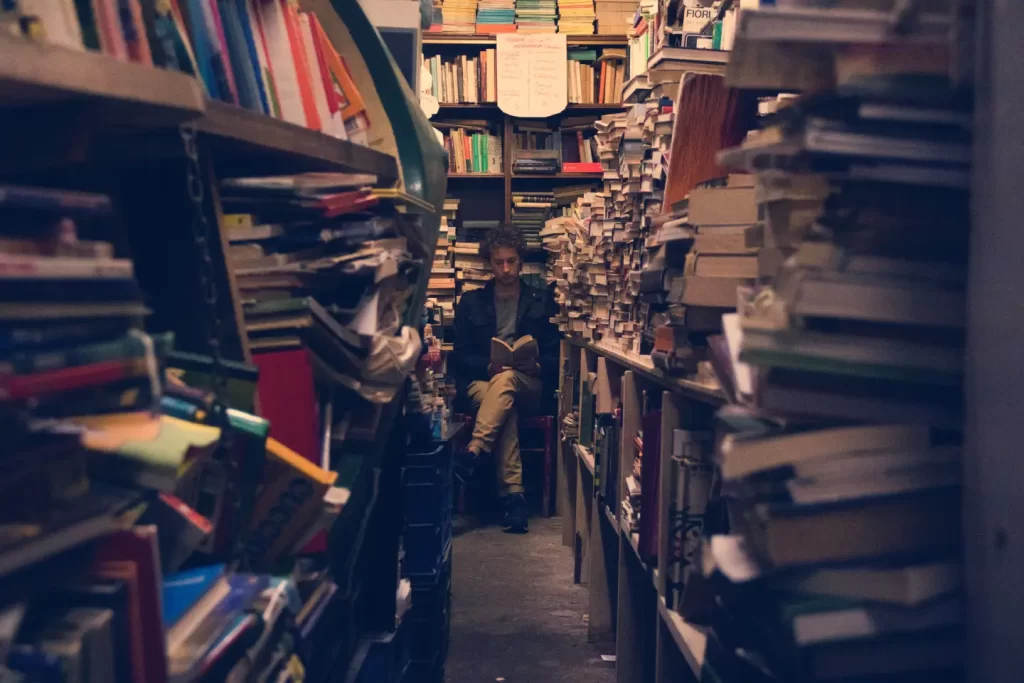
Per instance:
x=506, y=264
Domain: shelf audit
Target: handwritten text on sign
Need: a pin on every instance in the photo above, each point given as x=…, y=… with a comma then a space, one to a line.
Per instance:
x=532, y=74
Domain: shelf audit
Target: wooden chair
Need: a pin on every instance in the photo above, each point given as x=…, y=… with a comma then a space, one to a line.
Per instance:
x=544, y=427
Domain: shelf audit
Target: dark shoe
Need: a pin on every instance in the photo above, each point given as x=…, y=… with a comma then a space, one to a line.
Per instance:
x=516, y=521
x=465, y=465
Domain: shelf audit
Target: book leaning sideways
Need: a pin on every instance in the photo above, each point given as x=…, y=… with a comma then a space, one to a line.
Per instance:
x=521, y=355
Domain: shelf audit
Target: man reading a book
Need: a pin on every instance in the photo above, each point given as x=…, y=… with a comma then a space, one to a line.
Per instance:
x=505, y=348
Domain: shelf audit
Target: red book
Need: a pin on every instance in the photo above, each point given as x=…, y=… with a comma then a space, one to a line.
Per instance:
x=21, y=387
x=302, y=67
x=133, y=557
x=288, y=400
x=581, y=167
x=333, y=100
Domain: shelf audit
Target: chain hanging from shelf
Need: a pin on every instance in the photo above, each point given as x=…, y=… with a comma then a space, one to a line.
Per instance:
x=226, y=472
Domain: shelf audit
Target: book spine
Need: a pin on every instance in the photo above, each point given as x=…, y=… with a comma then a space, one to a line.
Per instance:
x=13, y=267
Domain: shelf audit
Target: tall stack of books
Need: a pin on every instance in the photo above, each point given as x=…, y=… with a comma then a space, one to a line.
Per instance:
x=576, y=17
x=536, y=16
x=529, y=212
x=440, y=294
x=464, y=79
x=496, y=16
x=844, y=488
x=315, y=271
x=106, y=458
x=459, y=16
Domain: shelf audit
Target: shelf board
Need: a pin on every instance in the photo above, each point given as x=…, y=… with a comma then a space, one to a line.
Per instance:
x=642, y=365
x=253, y=143
x=558, y=176
x=586, y=456
x=569, y=108
x=476, y=175
x=597, y=40
x=691, y=640
x=120, y=94
x=633, y=541
x=610, y=516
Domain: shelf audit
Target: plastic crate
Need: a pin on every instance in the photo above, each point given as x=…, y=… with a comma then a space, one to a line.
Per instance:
x=429, y=601
x=426, y=547
x=427, y=486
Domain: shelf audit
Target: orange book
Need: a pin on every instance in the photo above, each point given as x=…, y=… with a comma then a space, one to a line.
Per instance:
x=602, y=97
x=322, y=50
x=302, y=67
x=351, y=101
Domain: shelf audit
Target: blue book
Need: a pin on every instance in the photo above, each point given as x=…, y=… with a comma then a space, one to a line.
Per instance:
x=254, y=59
x=238, y=55
x=184, y=589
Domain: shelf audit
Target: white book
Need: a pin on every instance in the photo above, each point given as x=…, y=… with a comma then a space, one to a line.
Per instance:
x=256, y=28
x=875, y=620
x=286, y=76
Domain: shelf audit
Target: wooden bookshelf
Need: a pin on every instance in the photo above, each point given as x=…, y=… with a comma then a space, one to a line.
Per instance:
x=253, y=143
x=642, y=365
x=691, y=640
x=610, y=40
x=477, y=176
x=119, y=94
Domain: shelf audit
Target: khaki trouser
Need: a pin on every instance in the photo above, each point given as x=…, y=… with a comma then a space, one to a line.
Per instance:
x=497, y=425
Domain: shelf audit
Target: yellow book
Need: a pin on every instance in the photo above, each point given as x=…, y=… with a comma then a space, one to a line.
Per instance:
x=290, y=500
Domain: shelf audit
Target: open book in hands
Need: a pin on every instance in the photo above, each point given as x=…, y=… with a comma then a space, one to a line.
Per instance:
x=520, y=356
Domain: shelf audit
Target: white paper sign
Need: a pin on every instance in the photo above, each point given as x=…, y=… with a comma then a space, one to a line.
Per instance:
x=532, y=75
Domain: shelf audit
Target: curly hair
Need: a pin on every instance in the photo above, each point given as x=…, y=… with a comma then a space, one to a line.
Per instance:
x=504, y=236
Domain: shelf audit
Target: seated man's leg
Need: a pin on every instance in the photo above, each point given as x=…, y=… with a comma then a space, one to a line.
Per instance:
x=495, y=405
x=508, y=459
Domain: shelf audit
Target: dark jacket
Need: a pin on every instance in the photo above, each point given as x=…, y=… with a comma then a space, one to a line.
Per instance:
x=476, y=322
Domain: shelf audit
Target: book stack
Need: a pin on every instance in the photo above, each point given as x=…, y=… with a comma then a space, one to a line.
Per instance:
x=614, y=17
x=463, y=79
x=436, y=17
x=537, y=147
x=496, y=16
x=442, y=266
x=708, y=248
x=316, y=272
x=105, y=463
x=530, y=210
x=576, y=17
x=536, y=16
x=473, y=150
x=459, y=16
x=472, y=271
x=844, y=491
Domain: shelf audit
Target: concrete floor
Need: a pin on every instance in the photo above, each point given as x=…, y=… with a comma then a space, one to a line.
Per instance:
x=517, y=617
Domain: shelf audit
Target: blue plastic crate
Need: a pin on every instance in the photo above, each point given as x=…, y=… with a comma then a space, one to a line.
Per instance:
x=427, y=487
x=426, y=546
x=432, y=599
